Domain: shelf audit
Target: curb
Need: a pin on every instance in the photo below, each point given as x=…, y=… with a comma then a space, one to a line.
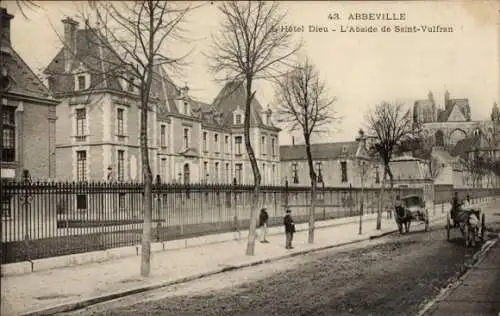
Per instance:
x=67, y=307
x=431, y=306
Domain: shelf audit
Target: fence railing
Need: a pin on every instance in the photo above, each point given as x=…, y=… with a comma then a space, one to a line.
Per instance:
x=42, y=220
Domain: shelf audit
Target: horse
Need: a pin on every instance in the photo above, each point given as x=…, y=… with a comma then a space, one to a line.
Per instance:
x=403, y=219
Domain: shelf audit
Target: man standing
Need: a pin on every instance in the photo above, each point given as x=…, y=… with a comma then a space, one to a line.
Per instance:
x=263, y=218
x=289, y=229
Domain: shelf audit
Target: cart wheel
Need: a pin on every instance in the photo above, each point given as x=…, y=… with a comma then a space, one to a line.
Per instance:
x=467, y=235
x=483, y=227
x=426, y=220
x=448, y=227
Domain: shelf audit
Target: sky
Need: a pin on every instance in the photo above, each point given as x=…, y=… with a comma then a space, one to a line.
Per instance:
x=360, y=69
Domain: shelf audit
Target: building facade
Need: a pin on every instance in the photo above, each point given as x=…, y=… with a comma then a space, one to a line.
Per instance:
x=28, y=115
x=189, y=141
x=338, y=165
x=450, y=124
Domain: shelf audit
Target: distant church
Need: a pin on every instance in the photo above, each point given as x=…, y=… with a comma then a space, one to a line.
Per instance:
x=453, y=123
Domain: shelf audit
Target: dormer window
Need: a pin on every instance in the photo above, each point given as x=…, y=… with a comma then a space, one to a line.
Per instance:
x=130, y=84
x=268, y=118
x=185, y=108
x=82, y=82
x=237, y=119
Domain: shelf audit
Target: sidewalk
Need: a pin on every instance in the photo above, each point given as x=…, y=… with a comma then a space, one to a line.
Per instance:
x=63, y=289
x=478, y=292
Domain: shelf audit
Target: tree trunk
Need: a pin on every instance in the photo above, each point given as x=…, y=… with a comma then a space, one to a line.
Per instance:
x=314, y=182
x=381, y=200
x=148, y=195
x=255, y=169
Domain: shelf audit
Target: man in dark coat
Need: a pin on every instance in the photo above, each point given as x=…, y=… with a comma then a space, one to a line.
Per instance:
x=289, y=229
x=263, y=218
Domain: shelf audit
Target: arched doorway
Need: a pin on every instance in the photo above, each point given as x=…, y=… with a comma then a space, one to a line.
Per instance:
x=456, y=136
x=186, y=173
x=439, y=137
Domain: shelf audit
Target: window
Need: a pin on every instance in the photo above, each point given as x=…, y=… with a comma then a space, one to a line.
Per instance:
x=186, y=138
x=237, y=119
x=186, y=108
x=9, y=134
x=226, y=143
x=343, y=169
x=263, y=145
x=119, y=122
x=216, y=143
x=205, y=141
x=163, y=136
x=81, y=201
x=81, y=122
x=273, y=174
x=81, y=165
x=295, y=174
x=318, y=168
x=237, y=142
x=238, y=173
x=273, y=144
x=6, y=206
x=121, y=165
x=216, y=172
x=121, y=201
x=264, y=176
x=228, y=173
x=377, y=175
x=81, y=83
x=268, y=118
x=205, y=170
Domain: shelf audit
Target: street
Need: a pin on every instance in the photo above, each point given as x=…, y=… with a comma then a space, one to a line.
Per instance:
x=393, y=275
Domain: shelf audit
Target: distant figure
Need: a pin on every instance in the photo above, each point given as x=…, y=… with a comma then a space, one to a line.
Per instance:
x=236, y=224
x=455, y=205
x=263, y=218
x=289, y=229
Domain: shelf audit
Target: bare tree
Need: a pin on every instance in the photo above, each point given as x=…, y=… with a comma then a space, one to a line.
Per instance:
x=132, y=38
x=249, y=47
x=392, y=126
x=303, y=105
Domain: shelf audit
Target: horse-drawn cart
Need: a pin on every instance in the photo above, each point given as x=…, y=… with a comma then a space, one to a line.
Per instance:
x=411, y=208
x=470, y=221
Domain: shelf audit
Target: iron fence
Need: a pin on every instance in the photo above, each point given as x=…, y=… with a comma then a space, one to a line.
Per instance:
x=46, y=219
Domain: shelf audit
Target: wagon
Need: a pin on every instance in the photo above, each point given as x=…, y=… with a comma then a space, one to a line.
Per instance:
x=470, y=221
x=412, y=208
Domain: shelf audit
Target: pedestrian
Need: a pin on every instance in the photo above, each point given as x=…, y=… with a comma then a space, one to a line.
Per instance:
x=289, y=229
x=263, y=218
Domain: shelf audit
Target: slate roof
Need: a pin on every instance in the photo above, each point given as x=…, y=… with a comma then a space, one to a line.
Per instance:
x=463, y=106
x=23, y=80
x=321, y=151
x=232, y=96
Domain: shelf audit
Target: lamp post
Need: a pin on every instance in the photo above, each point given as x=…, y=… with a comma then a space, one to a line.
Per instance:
x=363, y=166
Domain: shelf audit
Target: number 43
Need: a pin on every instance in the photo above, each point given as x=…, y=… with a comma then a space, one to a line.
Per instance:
x=334, y=16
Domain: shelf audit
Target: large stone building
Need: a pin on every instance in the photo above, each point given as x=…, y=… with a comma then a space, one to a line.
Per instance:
x=28, y=115
x=339, y=165
x=450, y=124
x=189, y=141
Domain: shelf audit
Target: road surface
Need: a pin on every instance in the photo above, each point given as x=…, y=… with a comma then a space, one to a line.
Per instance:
x=394, y=275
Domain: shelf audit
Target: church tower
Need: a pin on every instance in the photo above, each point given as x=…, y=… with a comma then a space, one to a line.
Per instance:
x=495, y=113
x=446, y=100
x=433, y=114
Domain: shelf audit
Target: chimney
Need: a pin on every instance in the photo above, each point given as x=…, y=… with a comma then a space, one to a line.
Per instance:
x=5, y=29
x=70, y=27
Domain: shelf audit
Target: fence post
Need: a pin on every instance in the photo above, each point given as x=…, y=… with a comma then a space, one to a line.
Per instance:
x=286, y=194
x=158, y=201
x=351, y=201
x=235, y=218
x=26, y=199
